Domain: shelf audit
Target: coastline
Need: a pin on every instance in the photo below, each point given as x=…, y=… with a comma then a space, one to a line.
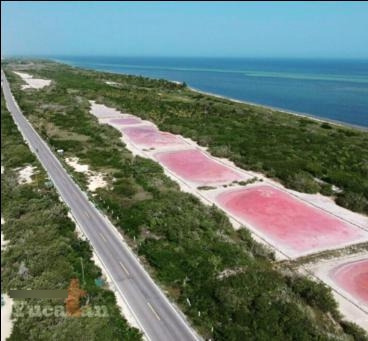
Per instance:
x=264, y=106
x=285, y=111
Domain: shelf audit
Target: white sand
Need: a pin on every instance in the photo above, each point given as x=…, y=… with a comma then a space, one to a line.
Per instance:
x=101, y=111
x=74, y=162
x=112, y=83
x=95, y=179
x=279, y=246
x=25, y=174
x=4, y=242
x=32, y=83
x=318, y=200
x=6, y=309
x=230, y=272
x=6, y=322
x=349, y=306
x=185, y=186
x=328, y=204
x=119, y=126
x=208, y=197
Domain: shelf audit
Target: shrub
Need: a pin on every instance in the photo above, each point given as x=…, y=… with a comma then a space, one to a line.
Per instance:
x=303, y=182
x=316, y=294
x=353, y=201
x=326, y=189
x=326, y=126
x=357, y=332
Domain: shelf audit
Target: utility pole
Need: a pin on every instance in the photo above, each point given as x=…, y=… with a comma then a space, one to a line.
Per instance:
x=81, y=259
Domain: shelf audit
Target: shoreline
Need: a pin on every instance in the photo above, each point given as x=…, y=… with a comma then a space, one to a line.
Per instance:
x=264, y=106
x=284, y=111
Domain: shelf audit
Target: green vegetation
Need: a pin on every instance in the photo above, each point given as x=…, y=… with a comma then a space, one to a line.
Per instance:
x=248, y=182
x=44, y=252
x=233, y=286
x=205, y=188
x=314, y=293
x=294, y=150
x=291, y=149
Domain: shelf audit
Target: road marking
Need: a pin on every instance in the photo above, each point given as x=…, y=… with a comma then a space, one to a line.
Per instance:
x=154, y=311
x=103, y=237
x=86, y=214
x=30, y=130
x=124, y=268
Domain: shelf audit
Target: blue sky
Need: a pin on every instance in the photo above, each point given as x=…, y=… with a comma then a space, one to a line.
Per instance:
x=218, y=29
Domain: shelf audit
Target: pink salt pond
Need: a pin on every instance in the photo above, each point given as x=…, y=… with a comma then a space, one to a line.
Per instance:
x=150, y=136
x=195, y=166
x=352, y=277
x=126, y=121
x=293, y=226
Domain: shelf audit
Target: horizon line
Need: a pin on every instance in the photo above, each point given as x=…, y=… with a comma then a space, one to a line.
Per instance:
x=179, y=56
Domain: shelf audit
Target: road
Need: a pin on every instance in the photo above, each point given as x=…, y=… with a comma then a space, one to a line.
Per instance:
x=157, y=317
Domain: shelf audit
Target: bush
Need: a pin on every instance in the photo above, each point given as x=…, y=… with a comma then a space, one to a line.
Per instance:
x=326, y=126
x=357, y=332
x=326, y=189
x=316, y=294
x=186, y=244
x=303, y=182
x=353, y=201
x=43, y=238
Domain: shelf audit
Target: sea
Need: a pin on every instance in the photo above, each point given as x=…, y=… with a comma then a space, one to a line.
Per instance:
x=335, y=90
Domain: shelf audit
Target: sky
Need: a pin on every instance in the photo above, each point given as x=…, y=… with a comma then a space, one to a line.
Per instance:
x=207, y=29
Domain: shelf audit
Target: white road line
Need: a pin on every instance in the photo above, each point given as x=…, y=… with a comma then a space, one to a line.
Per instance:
x=154, y=311
x=103, y=237
x=124, y=268
x=109, y=224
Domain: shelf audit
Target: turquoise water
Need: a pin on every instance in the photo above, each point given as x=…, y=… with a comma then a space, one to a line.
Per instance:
x=332, y=89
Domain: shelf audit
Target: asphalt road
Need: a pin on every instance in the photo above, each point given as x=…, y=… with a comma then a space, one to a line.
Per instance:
x=157, y=317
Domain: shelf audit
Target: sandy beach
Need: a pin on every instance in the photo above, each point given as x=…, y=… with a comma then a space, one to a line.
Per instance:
x=290, y=112
x=273, y=108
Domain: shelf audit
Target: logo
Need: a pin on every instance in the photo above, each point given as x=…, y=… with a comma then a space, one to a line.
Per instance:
x=72, y=307
x=72, y=302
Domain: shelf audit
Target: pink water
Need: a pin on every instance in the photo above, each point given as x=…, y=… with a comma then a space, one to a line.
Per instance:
x=149, y=136
x=127, y=120
x=195, y=166
x=353, y=278
x=287, y=220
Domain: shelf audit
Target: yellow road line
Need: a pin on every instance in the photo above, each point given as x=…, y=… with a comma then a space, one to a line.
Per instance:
x=153, y=310
x=124, y=268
